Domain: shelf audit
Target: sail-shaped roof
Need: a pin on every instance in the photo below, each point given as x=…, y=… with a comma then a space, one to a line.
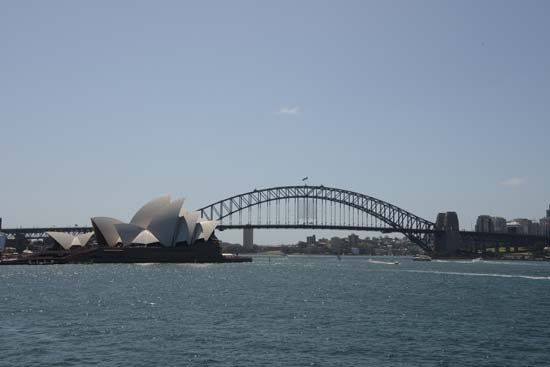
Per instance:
x=187, y=224
x=128, y=232
x=164, y=224
x=146, y=213
x=105, y=230
x=145, y=238
x=205, y=229
x=67, y=240
x=158, y=221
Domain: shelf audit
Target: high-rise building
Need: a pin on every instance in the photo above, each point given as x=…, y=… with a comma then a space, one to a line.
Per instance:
x=548, y=212
x=534, y=228
x=311, y=240
x=544, y=226
x=484, y=223
x=522, y=225
x=499, y=224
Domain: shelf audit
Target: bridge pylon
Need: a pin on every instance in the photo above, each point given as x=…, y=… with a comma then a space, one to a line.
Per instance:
x=447, y=238
x=248, y=237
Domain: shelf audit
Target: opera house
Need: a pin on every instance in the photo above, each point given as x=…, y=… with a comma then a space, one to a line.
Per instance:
x=161, y=231
x=160, y=222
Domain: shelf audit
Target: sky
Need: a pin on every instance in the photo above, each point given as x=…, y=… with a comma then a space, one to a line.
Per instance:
x=429, y=105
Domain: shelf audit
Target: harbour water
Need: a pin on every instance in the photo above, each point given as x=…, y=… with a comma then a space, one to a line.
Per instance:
x=277, y=311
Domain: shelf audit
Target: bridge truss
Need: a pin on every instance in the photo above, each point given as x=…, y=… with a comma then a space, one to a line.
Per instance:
x=317, y=207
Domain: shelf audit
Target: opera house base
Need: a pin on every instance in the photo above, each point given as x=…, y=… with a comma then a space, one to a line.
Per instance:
x=199, y=253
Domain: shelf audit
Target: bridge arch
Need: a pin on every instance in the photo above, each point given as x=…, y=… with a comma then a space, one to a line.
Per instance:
x=317, y=207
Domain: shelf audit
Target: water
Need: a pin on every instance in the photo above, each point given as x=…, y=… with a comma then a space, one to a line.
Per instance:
x=283, y=311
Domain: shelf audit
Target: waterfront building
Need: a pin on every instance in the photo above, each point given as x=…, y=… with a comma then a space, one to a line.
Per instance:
x=547, y=212
x=311, y=240
x=159, y=222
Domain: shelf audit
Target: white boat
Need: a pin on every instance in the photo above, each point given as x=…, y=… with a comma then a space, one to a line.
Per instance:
x=422, y=258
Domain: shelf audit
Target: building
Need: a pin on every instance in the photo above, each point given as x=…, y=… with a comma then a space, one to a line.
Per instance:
x=544, y=226
x=534, y=228
x=547, y=212
x=160, y=222
x=311, y=240
x=499, y=224
x=484, y=223
x=520, y=226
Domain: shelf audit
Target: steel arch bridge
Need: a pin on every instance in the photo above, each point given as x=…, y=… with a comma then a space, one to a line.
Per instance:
x=317, y=207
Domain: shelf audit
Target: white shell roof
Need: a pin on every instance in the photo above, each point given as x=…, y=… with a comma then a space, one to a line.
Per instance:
x=146, y=213
x=128, y=232
x=67, y=240
x=106, y=226
x=158, y=221
x=165, y=223
x=207, y=228
x=145, y=238
x=84, y=238
x=188, y=222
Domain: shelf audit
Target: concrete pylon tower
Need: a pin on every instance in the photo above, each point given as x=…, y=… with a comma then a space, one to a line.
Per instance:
x=248, y=237
x=448, y=239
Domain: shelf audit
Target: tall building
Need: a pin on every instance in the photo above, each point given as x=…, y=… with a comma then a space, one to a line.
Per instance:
x=484, y=223
x=534, y=228
x=548, y=212
x=499, y=224
x=311, y=240
x=520, y=226
x=544, y=226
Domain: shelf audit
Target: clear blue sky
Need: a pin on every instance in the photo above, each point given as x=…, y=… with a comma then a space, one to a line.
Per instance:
x=430, y=105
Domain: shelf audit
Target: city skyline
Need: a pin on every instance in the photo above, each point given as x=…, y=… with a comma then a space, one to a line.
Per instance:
x=431, y=107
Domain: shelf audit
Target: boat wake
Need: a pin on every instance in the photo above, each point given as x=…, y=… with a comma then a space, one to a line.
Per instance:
x=494, y=275
x=458, y=261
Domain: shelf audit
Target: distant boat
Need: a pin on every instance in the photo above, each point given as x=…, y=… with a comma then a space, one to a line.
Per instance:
x=422, y=258
x=383, y=262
